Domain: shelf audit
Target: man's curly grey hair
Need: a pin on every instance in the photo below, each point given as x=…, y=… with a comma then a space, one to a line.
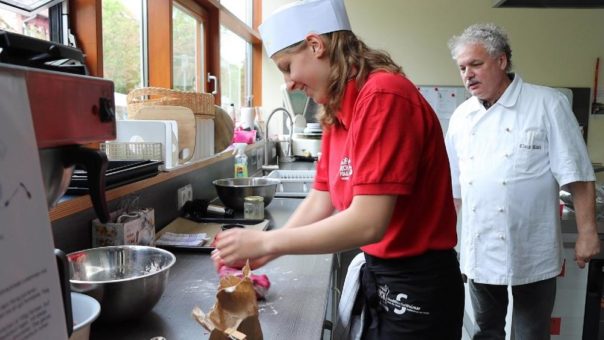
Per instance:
x=492, y=37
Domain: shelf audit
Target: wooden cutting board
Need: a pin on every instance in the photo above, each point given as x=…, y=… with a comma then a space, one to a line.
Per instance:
x=223, y=130
x=185, y=226
x=186, y=125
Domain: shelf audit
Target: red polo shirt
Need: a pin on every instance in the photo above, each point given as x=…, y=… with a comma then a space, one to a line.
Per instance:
x=390, y=142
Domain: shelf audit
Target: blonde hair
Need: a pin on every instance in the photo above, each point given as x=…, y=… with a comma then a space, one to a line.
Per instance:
x=350, y=58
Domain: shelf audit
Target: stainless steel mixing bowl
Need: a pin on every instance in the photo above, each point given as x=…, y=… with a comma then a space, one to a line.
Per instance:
x=232, y=191
x=126, y=280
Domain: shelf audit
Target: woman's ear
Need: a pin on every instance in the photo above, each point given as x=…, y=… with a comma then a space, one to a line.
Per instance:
x=316, y=44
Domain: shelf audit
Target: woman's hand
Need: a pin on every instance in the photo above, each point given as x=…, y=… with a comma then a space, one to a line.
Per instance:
x=235, y=246
x=254, y=264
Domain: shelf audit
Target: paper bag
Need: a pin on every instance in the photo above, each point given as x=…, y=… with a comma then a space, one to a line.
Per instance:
x=135, y=227
x=235, y=313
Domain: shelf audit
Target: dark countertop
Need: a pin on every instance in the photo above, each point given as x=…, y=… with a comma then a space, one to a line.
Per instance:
x=294, y=308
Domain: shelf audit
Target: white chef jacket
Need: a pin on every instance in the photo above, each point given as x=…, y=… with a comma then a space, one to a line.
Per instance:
x=507, y=165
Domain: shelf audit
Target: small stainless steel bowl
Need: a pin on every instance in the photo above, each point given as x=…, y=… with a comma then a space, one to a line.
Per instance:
x=232, y=191
x=126, y=280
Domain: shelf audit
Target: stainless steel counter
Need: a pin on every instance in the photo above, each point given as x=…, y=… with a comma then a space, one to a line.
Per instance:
x=569, y=234
x=294, y=308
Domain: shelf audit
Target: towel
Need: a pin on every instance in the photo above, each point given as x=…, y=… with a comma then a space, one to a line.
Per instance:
x=349, y=326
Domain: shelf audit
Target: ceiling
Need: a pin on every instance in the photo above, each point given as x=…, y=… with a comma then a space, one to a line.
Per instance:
x=548, y=3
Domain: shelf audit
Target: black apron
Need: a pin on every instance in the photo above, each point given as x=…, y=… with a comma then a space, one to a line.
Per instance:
x=421, y=297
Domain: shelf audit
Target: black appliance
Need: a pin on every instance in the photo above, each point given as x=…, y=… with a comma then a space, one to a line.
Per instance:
x=69, y=110
x=593, y=324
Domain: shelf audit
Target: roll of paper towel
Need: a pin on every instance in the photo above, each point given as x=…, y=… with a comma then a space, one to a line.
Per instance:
x=247, y=117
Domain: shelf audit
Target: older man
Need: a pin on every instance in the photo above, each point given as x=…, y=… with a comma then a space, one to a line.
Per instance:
x=511, y=146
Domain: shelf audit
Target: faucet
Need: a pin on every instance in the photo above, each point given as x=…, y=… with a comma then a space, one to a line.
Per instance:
x=267, y=146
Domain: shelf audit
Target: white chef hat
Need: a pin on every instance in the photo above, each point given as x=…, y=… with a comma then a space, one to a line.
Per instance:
x=292, y=23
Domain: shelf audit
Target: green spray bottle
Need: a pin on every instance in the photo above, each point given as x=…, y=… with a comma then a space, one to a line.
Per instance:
x=240, y=160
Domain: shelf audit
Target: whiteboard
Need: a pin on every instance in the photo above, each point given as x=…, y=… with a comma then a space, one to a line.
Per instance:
x=444, y=100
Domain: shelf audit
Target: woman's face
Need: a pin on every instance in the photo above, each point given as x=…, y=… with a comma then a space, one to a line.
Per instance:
x=306, y=69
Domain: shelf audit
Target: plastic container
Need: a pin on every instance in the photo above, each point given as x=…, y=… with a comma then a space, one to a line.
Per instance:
x=85, y=310
x=240, y=160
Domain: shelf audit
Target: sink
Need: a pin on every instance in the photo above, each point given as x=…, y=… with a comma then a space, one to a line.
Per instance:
x=294, y=183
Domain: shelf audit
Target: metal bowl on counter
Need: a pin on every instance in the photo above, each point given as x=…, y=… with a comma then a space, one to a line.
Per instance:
x=232, y=191
x=126, y=280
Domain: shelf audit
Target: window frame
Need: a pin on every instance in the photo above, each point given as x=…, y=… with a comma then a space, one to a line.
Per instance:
x=86, y=21
x=251, y=35
x=201, y=15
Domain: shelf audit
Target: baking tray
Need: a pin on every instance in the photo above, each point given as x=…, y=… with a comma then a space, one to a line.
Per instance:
x=186, y=226
x=118, y=173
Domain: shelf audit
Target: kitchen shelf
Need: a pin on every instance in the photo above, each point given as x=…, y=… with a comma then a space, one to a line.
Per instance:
x=74, y=204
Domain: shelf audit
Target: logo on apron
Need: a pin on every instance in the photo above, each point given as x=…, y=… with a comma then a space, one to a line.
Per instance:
x=396, y=302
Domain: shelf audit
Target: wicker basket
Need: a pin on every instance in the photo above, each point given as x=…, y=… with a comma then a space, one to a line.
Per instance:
x=202, y=104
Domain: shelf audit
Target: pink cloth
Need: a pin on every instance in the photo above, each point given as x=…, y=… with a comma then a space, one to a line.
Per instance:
x=243, y=136
x=261, y=283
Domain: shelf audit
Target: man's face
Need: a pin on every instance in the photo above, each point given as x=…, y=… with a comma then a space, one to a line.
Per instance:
x=483, y=75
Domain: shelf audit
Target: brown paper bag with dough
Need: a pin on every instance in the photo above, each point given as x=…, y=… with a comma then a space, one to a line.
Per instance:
x=235, y=313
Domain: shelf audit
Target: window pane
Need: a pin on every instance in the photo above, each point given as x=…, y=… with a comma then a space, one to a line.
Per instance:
x=122, y=43
x=38, y=26
x=186, y=44
x=242, y=9
x=235, y=68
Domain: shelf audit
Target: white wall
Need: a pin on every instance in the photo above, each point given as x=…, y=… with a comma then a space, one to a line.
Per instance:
x=554, y=47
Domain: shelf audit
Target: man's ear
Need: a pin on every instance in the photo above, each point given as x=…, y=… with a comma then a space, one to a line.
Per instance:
x=316, y=44
x=503, y=61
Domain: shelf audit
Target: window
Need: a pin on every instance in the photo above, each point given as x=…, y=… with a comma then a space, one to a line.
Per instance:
x=242, y=9
x=187, y=47
x=36, y=25
x=179, y=44
x=122, y=43
x=235, y=68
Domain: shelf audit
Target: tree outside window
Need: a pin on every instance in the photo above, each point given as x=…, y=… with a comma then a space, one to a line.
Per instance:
x=122, y=56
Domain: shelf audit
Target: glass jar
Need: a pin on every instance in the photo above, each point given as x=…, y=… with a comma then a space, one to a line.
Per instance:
x=253, y=208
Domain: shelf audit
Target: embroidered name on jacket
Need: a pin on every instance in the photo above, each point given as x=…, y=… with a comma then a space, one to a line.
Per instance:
x=396, y=302
x=530, y=147
x=345, y=169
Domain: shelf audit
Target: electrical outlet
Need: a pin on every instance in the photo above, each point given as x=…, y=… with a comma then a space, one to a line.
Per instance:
x=185, y=194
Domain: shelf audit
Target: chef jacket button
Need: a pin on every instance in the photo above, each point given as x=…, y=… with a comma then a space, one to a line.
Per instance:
x=501, y=209
x=469, y=182
x=471, y=157
x=473, y=209
x=503, y=183
x=502, y=237
x=507, y=155
x=508, y=130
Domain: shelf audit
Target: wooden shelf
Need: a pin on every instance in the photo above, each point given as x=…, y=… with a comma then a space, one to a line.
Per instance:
x=81, y=203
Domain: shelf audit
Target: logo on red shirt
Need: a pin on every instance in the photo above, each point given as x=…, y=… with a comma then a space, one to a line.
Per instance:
x=345, y=169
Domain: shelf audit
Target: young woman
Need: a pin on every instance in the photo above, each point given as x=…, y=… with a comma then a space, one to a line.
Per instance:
x=382, y=182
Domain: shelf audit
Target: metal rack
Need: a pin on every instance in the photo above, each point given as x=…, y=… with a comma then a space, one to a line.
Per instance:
x=294, y=183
